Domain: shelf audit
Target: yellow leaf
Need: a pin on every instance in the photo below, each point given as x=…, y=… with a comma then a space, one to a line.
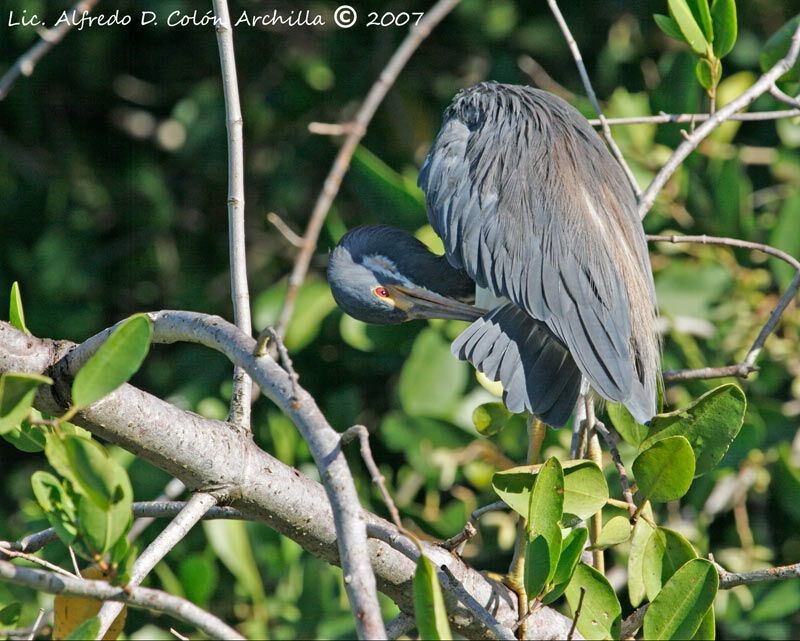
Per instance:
x=71, y=611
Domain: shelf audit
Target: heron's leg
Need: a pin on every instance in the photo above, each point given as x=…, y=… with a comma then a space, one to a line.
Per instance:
x=516, y=572
x=596, y=455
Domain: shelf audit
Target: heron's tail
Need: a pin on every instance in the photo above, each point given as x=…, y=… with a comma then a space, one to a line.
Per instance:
x=536, y=370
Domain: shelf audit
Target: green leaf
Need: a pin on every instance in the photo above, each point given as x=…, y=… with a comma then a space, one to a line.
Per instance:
x=16, y=397
x=630, y=431
x=490, y=418
x=585, y=488
x=47, y=490
x=723, y=17
x=709, y=424
x=571, y=549
x=641, y=535
x=665, y=471
x=547, y=498
x=15, y=314
x=702, y=17
x=101, y=528
x=92, y=469
x=432, y=622
x=600, y=616
x=665, y=552
x=86, y=630
x=778, y=46
x=617, y=530
x=114, y=362
x=707, y=631
x=27, y=438
x=232, y=545
x=669, y=26
x=431, y=380
x=704, y=74
x=692, y=34
x=9, y=615
x=538, y=561
x=679, y=608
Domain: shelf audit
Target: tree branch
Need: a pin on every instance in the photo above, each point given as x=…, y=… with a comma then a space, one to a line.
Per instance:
x=204, y=453
x=342, y=162
x=662, y=117
x=693, y=139
x=242, y=388
x=27, y=62
x=167, y=539
x=728, y=580
x=140, y=597
x=748, y=364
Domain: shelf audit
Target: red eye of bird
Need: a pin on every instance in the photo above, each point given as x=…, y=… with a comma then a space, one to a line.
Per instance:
x=381, y=291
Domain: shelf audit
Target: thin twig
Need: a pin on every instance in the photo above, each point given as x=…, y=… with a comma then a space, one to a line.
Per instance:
x=13, y=554
x=471, y=526
x=172, y=490
x=377, y=478
x=610, y=437
x=596, y=455
x=169, y=537
x=74, y=561
x=576, y=54
x=332, y=129
x=286, y=231
x=239, y=413
x=577, y=614
x=780, y=96
x=663, y=118
x=741, y=371
x=748, y=364
x=401, y=625
x=178, y=635
x=761, y=86
x=262, y=349
x=342, y=161
x=728, y=580
x=26, y=63
x=157, y=600
x=37, y=624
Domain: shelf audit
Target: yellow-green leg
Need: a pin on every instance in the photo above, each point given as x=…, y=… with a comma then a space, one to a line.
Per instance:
x=515, y=579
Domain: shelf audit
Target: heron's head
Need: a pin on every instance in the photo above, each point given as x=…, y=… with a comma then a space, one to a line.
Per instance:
x=385, y=276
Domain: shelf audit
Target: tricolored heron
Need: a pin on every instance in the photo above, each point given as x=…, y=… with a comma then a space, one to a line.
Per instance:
x=534, y=211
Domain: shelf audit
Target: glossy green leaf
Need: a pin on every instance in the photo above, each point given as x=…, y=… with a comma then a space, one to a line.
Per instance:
x=538, y=562
x=91, y=469
x=431, y=380
x=57, y=504
x=432, y=621
x=585, y=488
x=600, y=616
x=723, y=17
x=47, y=490
x=86, y=630
x=114, y=362
x=665, y=471
x=778, y=46
x=17, y=390
x=26, y=438
x=669, y=26
x=630, y=431
x=9, y=615
x=692, y=34
x=641, y=535
x=680, y=607
x=101, y=528
x=702, y=17
x=490, y=418
x=664, y=553
x=16, y=315
x=615, y=531
x=571, y=549
x=545, y=510
x=709, y=424
x=707, y=630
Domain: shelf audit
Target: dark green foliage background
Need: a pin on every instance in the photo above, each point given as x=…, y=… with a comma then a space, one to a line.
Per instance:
x=98, y=223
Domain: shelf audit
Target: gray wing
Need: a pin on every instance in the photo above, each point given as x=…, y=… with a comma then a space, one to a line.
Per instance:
x=529, y=203
x=537, y=372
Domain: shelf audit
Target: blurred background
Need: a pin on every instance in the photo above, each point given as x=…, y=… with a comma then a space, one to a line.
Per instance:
x=113, y=181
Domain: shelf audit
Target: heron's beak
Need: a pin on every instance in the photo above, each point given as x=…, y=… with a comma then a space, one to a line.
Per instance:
x=423, y=303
